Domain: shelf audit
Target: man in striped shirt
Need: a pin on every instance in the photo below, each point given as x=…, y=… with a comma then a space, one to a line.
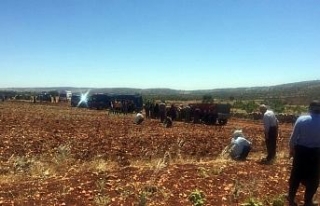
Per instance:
x=305, y=150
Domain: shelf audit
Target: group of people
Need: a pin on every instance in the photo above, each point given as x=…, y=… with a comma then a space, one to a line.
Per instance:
x=240, y=147
x=304, y=145
x=139, y=118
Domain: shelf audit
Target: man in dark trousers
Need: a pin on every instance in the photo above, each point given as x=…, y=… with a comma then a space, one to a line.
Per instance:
x=162, y=111
x=305, y=150
x=270, y=123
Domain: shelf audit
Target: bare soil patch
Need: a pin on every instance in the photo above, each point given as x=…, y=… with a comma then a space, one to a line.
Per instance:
x=58, y=155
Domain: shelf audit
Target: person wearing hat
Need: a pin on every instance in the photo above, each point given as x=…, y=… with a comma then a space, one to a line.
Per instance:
x=239, y=147
x=270, y=123
x=139, y=118
x=305, y=149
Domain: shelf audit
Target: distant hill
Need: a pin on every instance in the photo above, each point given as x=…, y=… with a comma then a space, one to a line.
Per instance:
x=297, y=92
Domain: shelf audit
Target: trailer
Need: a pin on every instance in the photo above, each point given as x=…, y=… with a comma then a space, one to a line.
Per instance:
x=65, y=96
x=210, y=113
x=116, y=102
x=99, y=101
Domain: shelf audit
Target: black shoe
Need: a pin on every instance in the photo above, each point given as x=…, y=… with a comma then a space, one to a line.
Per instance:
x=293, y=204
x=264, y=161
x=291, y=201
x=311, y=204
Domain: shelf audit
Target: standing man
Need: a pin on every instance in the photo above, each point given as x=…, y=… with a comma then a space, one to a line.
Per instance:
x=162, y=111
x=187, y=113
x=147, y=109
x=270, y=123
x=305, y=150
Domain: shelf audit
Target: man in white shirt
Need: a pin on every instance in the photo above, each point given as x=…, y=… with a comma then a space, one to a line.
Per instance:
x=270, y=123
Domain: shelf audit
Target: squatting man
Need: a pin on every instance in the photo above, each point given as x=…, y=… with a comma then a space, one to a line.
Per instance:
x=239, y=147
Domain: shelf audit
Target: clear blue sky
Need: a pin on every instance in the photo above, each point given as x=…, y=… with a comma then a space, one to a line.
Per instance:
x=178, y=44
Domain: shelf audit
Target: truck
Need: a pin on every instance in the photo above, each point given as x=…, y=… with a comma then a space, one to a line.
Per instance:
x=79, y=100
x=99, y=101
x=65, y=96
x=44, y=97
x=116, y=102
x=134, y=101
x=211, y=113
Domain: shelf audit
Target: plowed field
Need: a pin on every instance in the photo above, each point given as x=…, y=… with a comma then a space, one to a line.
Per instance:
x=58, y=155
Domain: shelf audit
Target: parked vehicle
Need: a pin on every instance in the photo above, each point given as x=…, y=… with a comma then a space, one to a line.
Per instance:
x=211, y=113
x=132, y=102
x=79, y=100
x=99, y=101
x=116, y=102
x=44, y=97
x=65, y=96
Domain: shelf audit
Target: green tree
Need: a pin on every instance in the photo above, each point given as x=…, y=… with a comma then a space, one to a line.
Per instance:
x=250, y=106
x=207, y=99
x=276, y=105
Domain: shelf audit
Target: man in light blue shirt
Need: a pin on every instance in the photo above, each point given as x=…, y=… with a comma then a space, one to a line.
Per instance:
x=239, y=147
x=305, y=150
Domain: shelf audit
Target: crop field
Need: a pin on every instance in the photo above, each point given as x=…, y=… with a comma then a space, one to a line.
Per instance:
x=52, y=154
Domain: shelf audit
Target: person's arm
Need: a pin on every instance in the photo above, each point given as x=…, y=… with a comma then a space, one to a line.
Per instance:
x=266, y=124
x=230, y=145
x=249, y=142
x=294, y=138
x=291, y=153
x=233, y=151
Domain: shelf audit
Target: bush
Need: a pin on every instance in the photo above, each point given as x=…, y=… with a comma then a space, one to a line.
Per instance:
x=197, y=198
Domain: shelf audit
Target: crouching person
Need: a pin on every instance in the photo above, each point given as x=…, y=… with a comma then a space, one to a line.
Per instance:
x=139, y=118
x=167, y=122
x=239, y=147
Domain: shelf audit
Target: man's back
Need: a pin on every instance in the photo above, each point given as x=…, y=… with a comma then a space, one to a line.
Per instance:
x=307, y=131
x=269, y=119
x=238, y=145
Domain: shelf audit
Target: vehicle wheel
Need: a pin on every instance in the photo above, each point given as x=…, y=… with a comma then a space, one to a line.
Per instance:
x=222, y=121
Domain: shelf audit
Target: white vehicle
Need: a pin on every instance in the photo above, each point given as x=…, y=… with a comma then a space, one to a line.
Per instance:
x=65, y=96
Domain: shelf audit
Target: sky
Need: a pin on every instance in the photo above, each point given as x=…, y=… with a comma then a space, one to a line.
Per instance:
x=177, y=44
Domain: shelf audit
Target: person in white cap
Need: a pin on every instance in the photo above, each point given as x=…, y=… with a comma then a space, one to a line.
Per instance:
x=139, y=118
x=239, y=147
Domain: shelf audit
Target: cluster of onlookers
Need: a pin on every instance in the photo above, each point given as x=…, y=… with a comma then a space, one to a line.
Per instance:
x=122, y=106
x=188, y=113
x=304, y=146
